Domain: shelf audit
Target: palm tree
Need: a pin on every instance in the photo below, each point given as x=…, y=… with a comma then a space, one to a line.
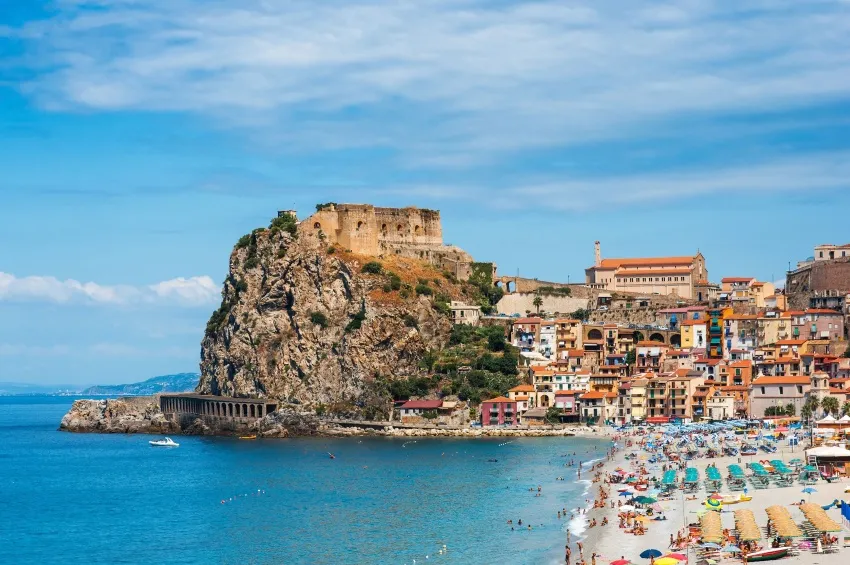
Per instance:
x=830, y=405
x=806, y=412
x=538, y=302
x=846, y=408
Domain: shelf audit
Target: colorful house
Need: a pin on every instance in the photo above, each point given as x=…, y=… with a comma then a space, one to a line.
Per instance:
x=499, y=411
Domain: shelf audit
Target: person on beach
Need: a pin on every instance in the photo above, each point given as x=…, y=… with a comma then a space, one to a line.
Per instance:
x=593, y=559
x=567, y=554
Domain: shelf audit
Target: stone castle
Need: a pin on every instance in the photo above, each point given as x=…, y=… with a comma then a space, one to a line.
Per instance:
x=407, y=232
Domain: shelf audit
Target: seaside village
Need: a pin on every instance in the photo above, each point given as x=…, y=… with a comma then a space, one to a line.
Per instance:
x=659, y=343
x=727, y=404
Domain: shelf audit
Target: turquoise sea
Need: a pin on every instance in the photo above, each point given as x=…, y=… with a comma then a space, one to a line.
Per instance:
x=86, y=498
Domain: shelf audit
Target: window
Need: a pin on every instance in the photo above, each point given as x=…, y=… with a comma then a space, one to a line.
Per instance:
x=762, y=390
x=799, y=389
x=780, y=390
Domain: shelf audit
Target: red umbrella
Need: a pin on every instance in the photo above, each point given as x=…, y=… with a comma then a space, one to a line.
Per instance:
x=621, y=562
x=677, y=556
x=716, y=496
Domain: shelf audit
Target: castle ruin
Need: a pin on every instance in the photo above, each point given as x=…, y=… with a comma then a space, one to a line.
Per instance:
x=407, y=232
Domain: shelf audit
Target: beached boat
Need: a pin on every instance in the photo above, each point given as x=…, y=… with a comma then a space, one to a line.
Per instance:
x=768, y=554
x=735, y=499
x=167, y=442
x=248, y=437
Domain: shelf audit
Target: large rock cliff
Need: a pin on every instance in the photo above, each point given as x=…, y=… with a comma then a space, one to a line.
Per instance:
x=308, y=323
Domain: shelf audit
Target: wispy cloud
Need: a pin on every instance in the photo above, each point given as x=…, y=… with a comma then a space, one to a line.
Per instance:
x=189, y=292
x=445, y=82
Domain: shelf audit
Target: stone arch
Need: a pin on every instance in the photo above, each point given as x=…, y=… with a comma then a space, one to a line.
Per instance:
x=317, y=226
x=676, y=340
x=416, y=229
x=398, y=228
x=383, y=228
x=230, y=410
x=657, y=337
x=359, y=225
x=594, y=334
x=251, y=411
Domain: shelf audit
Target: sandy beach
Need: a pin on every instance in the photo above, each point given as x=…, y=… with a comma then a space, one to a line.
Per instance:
x=611, y=543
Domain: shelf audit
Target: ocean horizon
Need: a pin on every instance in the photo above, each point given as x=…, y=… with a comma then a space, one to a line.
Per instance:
x=96, y=498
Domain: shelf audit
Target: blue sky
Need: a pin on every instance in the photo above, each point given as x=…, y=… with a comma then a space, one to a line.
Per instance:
x=141, y=138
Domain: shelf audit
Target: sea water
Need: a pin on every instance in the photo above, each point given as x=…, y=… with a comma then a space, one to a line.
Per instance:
x=91, y=498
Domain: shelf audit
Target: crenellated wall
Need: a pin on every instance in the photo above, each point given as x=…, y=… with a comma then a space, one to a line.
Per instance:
x=408, y=232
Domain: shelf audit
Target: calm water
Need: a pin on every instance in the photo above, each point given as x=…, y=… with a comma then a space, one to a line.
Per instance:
x=85, y=498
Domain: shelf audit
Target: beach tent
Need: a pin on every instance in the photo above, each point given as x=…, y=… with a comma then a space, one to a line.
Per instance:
x=828, y=452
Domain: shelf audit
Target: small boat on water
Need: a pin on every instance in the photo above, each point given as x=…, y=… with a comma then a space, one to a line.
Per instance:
x=768, y=554
x=167, y=442
x=248, y=437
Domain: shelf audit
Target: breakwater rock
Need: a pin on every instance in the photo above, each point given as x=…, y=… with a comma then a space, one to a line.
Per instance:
x=136, y=415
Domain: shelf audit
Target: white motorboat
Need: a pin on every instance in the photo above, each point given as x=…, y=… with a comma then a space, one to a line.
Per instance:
x=167, y=442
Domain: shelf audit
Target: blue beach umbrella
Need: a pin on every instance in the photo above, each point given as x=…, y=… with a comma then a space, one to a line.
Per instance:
x=650, y=554
x=732, y=549
x=809, y=490
x=625, y=493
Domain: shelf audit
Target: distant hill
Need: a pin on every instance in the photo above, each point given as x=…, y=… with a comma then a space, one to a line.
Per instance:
x=181, y=382
x=17, y=389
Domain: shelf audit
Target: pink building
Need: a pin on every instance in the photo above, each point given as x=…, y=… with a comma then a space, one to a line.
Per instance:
x=817, y=323
x=499, y=411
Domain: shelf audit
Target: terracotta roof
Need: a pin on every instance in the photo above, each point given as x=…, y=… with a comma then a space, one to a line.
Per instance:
x=540, y=368
x=737, y=279
x=422, y=404
x=693, y=323
x=652, y=273
x=735, y=388
x=500, y=400
x=823, y=311
x=781, y=381
x=567, y=321
x=575, y=352
x=528, y=321
x=611, y=395
x=791, y=342
x=746, y=364
x=700, y=394
x=646, y=262
x=522, y=388
x=651, y=344
x=742, y=317
x=838, y=391
x=758, y=283
x=567, y=392
x=593, y=395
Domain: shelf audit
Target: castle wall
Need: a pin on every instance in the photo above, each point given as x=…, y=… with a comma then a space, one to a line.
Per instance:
x=406, y=232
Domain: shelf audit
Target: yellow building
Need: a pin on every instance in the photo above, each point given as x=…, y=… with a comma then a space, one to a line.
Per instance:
x=693, y=334
x=746, y=290
x=637, y=395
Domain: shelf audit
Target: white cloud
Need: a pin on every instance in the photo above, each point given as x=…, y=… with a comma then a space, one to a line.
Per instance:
x=194, y=291
x=447, y=82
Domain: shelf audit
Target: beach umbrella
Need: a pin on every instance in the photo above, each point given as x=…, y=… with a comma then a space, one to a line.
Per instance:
x=712, y=546
x=809, y=490
x=626, y=508
x=621, y=562
x=713, y=503
x=626, y=493
x=677, y=556
x=732, y=549
x=716, y=496
x=651, y=553
x=645, y=500
x=666, y=561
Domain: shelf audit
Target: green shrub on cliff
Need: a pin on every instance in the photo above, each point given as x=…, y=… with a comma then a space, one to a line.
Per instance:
x=372, y=268
x=286, y=223
x=424, y=289
x=244, y=241
x=319, y=319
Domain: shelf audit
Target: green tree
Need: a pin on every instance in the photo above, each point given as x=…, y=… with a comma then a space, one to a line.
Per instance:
x=846, y=352
x=790, y=410
x=372, y=268
x=806, y=412
x=537, y=302
x=631, y=357
x=581, y=314
x=830, y=405
x=846, y=408
x=553, y=415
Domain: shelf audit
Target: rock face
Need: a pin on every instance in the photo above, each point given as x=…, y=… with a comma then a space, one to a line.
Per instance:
x=286, y=422
x=120, y=416
x=301, y=322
